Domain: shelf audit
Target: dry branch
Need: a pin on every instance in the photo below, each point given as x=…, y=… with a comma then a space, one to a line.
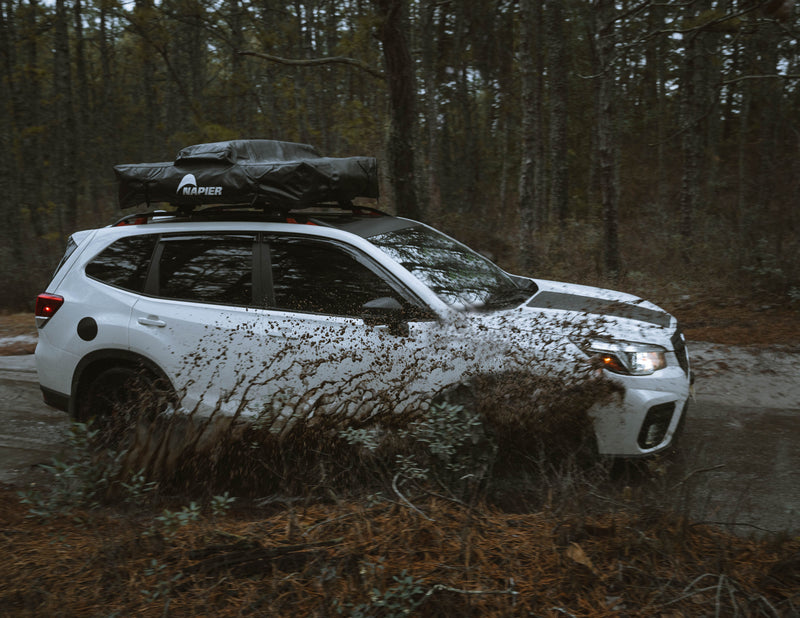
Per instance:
x=313, y=62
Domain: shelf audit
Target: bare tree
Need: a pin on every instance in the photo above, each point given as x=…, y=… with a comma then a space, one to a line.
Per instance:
x=558, y=71
x=65, y=151
x=530, y=165
x=604, y=42
x=402, y=105
x=429, y=69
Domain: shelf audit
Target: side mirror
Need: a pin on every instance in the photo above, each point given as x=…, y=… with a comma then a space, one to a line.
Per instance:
x=385, y=311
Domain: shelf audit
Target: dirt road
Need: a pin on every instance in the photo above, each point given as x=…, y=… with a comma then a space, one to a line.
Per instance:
x=30, y=432
x=738, y=463
x=741, y=451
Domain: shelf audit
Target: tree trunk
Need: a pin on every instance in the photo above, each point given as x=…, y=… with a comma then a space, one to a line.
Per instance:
x=655, y=101
x=147, y=95
x=103, y=113
x=540, y=203
x=402, y=107
x=697, y=107
x=769, y=183
x=82, y=100
x=558, y=70
x=528, y=176
x=607, y=135
x=463, y=103
x=690, y=147
x=744, y=179
x=28, y=103
x=239, y=80
x=11, y=249
x=429, y=68
x=65, y=170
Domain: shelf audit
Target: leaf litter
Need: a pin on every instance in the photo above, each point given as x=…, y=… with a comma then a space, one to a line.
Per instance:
x=310, y=559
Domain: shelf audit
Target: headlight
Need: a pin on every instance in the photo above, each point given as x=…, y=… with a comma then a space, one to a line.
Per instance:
x=626, y=357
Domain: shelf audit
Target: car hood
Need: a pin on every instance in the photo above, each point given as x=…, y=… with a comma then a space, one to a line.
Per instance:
x=582, y=313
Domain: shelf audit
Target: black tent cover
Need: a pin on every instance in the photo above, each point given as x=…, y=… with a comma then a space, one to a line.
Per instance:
x=248, y=171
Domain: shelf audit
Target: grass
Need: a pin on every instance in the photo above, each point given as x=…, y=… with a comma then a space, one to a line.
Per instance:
x=17, y=334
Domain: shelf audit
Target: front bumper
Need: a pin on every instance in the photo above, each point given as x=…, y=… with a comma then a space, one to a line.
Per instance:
x=648, y=417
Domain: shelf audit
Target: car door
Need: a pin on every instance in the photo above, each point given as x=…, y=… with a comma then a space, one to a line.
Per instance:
x=200, y=319
x=326, y=361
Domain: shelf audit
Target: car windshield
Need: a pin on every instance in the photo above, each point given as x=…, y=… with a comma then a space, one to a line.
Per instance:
x=458, y=275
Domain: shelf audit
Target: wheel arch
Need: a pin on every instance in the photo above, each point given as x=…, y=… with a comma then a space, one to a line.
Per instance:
x=93, y=364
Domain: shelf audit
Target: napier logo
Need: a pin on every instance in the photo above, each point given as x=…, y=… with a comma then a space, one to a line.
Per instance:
x=188, y=188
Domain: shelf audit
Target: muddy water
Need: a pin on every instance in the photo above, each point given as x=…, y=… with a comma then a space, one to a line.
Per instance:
x=737, y=465
x=30, y=432
x=741, y=466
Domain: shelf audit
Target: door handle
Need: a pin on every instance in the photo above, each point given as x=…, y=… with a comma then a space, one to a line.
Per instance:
x=152, y=320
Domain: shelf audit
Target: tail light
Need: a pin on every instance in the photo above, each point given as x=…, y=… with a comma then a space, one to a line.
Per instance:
x=131, y=221
x=46, y=307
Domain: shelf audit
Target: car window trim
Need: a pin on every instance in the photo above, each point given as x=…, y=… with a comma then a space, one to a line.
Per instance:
x=406, y=294
x=114, y=285
x=263, y=294
x=153, y=280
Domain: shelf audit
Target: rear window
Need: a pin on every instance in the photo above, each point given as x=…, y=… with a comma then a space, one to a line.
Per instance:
x=124, y=263
x=71, y=246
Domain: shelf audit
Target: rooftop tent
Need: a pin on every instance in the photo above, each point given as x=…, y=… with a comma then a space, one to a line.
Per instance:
x=248, y=171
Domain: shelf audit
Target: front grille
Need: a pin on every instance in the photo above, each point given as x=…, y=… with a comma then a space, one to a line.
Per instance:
x=679, y=345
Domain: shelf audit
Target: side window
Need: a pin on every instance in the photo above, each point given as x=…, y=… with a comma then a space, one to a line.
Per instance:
x=321, y=278
x=124, y=263
x=71, y=246
x=209, y=269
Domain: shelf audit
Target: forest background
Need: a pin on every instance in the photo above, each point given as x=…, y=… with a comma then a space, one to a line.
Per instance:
x=652, y=145
x=648, y=144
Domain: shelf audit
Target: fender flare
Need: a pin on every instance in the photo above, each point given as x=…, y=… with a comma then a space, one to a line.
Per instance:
x=110, y=358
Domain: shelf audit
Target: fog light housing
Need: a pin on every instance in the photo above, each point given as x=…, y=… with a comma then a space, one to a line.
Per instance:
x=655, y=425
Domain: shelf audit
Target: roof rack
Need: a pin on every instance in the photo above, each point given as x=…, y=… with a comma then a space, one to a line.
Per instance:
x=311, y=213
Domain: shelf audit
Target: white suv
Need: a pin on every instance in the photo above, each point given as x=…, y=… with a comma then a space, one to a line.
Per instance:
x=274, y=310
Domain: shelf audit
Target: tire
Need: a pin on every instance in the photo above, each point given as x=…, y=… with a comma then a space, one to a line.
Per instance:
x=461, y=394
x=117, y=399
